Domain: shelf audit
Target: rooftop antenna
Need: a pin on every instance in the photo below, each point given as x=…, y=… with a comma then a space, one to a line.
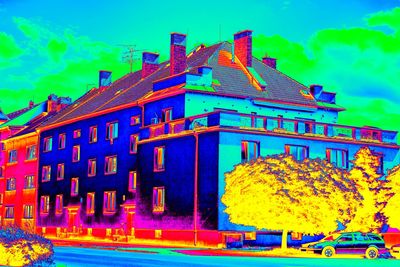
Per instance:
x=128, y=55
x=220, y=33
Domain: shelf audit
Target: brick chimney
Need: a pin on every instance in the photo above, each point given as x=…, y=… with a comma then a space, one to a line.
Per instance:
x=269, y=61
x=150, y=63
x=51, y=103
x=177, y=53
x=104, y=78
x=243, y=47
x=62, y=102
x=31, y=104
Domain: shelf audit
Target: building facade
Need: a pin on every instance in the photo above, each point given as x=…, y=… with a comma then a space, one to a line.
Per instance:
x=145, y=156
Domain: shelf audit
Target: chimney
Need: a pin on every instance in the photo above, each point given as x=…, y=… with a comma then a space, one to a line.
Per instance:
x=150, y=63
x=177, y=53
x=104, y=78
x=51, y=103
x=243, y=47
x=31, y=104
x=62, y=102
x=269, y=61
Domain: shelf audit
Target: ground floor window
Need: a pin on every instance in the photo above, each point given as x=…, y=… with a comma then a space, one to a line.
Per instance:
x=298, y=152
x=158, y=199
x=44, y=204
x=109, y=201
x=250, y=150
x=28, y=211
x=9, y=212
x=338, y=157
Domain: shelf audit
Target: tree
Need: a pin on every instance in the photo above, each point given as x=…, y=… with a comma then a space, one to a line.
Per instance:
x=373, y=191
x=391, y=210
x=281, y=193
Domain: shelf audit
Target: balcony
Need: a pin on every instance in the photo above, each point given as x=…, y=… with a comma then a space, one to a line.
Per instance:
x=270, y=125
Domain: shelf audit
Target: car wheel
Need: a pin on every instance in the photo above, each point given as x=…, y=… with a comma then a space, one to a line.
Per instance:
x=328, y=251
x=371, y=253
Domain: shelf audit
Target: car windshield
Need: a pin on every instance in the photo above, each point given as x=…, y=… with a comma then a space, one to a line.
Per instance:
x=330, y=237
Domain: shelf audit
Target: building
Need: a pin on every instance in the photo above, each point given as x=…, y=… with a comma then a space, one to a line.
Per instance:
x=18, y=183
x=145, y=156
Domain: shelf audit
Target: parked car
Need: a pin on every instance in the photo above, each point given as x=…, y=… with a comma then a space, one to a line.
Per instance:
x=371, y=245
x=395, y=251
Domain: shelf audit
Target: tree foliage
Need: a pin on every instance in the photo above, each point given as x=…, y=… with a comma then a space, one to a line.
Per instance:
x=365, y=174
x=281, y=193
x=392, y=208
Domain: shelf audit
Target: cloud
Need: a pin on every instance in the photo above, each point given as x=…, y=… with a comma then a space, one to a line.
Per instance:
x=361, y=64
x=9, y=50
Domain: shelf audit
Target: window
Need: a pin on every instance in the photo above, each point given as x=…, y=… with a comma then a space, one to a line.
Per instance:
x=112, y=130
x=61, y=141
x=48, y=144
x=91, y=167
x=1, y=199
x=132, y=181
x=93, y=134
x=158, y=199
x=338, y=157
x=76, y=153
x=28, y=211
x=59, y=204
x=10, y=184
x=77, y=133
x=111, y=165
x=44, y=204
x=250, y=150
x=1, y=171
x=135, y=120
x=74, y=186
x=109, y=201
x=298, y=152
x=133, y=143
x=46, y=173
x=159, y=158
x=90, y=203
x=30, y=152
x=60, y=171
x=380, y=168
x=12, y=156
x=167, y=115
x=9, y=212
x=29, y=182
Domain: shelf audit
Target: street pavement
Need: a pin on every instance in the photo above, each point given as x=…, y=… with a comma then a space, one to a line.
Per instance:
x=146, y=257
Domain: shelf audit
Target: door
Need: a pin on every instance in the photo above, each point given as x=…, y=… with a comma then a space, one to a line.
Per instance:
x=345, y=244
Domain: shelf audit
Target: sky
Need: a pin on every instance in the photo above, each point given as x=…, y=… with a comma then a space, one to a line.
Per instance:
x=350, y=47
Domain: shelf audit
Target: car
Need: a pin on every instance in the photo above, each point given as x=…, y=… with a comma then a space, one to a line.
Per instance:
x=369, y=244
x=395, y=251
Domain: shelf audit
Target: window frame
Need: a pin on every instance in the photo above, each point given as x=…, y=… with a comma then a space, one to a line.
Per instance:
x=158, y=204
x=110, y=135
x=287, y=151
x=157, y=167
x=133, y=143
x=62, y=140
x=29, y=211
x=76, y=152
x=106, y=208
x=245, y=149
x=7, y=213
x=106, y=171
x=167, y=114
x=48, y=172
x=336, y=150
x=29, y=152
x=74, y=181
x=76, y=133
x=29, y=180
x=47, y=144
x=132, y=184
x=44, y=204
x=11, y=184
x=60, y=166
x=90, y=167
x=12, y=156
x=135, y=120
x=59, y=207
x=90, y=210
x=93, y=131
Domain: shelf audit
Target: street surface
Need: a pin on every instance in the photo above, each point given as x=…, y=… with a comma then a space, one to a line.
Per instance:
x=71, y=256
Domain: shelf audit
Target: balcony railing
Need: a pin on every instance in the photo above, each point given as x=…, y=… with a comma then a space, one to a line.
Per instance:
x=234, y=120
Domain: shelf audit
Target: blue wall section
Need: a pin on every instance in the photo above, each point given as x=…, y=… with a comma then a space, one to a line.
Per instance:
x=116, y=182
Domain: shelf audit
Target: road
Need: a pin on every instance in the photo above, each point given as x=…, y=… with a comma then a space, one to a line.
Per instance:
x=71, y=256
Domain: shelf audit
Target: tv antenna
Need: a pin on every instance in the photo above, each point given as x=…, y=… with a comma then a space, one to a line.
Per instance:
x=128, y=55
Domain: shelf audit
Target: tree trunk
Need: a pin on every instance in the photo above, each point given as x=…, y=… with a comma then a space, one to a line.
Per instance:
x=284, y=239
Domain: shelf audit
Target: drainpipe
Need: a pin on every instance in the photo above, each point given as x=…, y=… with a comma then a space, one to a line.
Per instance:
x=195, y=202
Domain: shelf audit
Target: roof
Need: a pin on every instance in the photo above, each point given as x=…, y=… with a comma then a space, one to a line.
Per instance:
x=26, y=116
x=228, y=78
x=17, y=113
x=3, y=116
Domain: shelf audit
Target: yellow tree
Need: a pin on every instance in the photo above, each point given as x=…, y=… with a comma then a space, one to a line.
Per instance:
x=391, y=210
x=281, y=193
x=365, y=174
